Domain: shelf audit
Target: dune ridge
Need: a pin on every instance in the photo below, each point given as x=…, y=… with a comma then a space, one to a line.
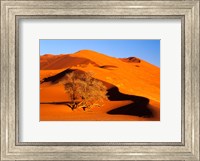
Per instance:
x=134, y=79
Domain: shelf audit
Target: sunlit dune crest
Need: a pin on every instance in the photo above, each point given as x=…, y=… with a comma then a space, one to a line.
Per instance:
x=132, y=83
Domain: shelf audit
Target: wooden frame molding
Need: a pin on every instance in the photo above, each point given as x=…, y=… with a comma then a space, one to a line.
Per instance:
x=14, y=10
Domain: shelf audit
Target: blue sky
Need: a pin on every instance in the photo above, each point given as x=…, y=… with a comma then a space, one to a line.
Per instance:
x=148, y=50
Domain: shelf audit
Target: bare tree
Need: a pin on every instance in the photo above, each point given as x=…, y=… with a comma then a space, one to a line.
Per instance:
x=71, y=87
x=85, y=91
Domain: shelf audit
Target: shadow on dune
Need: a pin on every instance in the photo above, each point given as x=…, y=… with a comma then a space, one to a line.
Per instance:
x=109, y=67
x=139, y=107
x=57, y=77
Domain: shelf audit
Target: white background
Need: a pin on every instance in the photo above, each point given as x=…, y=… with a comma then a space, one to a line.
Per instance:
x=166, y=130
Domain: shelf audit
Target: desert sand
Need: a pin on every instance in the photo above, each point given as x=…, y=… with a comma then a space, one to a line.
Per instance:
x=133, y=87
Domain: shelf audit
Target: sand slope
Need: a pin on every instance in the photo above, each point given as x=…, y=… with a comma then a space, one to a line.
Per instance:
x=130, y=76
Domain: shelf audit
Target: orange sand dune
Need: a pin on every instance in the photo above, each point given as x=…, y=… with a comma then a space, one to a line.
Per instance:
x=136, y=79
x=62, y=61
x=51, y=112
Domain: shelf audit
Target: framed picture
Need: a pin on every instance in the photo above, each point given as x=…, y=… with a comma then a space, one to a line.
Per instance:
x=100, y=80
x=87, y=85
